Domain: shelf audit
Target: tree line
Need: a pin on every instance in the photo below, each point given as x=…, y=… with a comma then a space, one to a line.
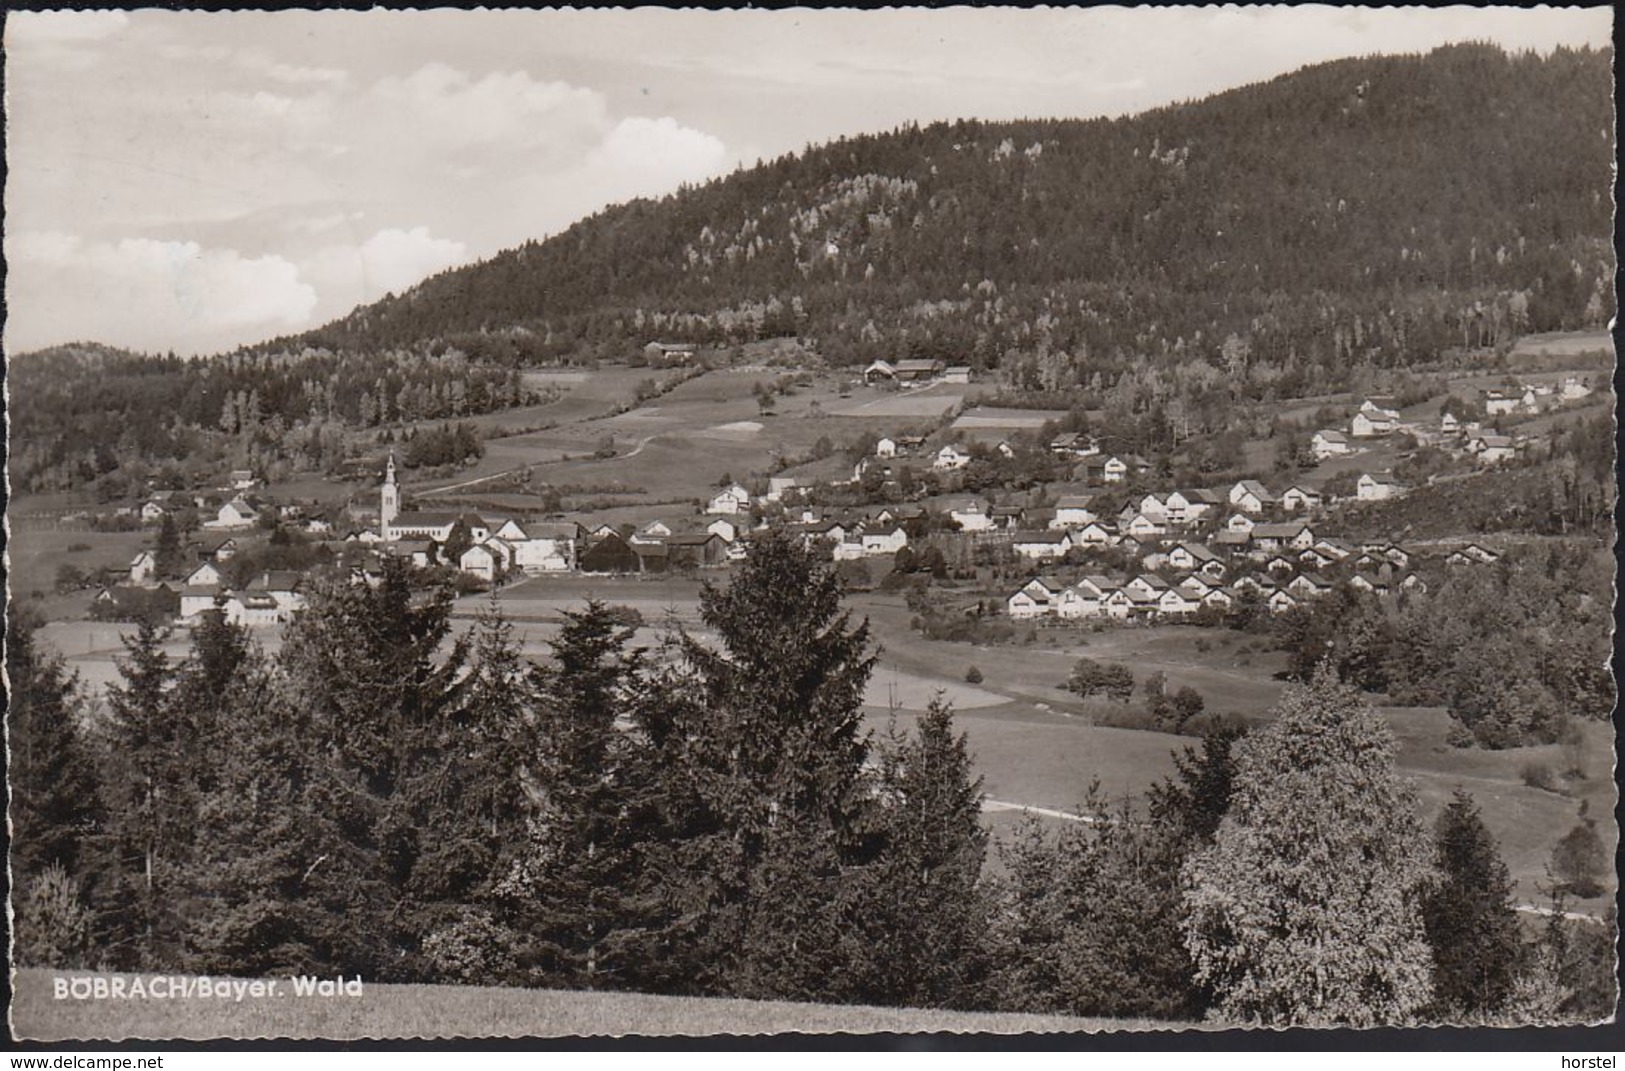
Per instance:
x=386, y=798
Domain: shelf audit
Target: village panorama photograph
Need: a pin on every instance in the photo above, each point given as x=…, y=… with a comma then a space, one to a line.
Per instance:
x=586, y=523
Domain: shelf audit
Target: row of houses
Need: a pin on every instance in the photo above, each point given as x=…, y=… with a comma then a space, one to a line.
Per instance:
x=1198, y=582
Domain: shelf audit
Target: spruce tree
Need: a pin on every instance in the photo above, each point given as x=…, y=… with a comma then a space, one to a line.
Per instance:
x=1306, y=908
x=569, y=893
x=372, y=668
x=764, y=784
x=1471, y=924
x=275, y=881
x=55, y=808
x=148, y=801
x=929, y=910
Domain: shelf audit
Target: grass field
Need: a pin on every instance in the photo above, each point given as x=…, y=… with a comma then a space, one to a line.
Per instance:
x=414, y=1011
x=36, y=552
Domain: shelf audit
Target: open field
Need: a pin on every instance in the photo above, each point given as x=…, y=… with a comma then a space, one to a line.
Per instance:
x=416, y=1011
x=984, y=416
x=1564, y=344
x=924, y=402
x=35, y=552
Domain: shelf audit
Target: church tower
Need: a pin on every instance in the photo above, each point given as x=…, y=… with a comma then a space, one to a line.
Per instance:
x=389, y=504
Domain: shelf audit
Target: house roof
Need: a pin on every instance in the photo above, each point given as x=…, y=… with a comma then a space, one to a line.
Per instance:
x=1040, y=537
x=424, y=519
x=918, y=365
x=1199, y=552
x=1331, y=436
x=1283, y=530
x=1256, y=488
x=1074, y=501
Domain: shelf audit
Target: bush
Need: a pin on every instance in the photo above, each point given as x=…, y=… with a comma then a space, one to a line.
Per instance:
x=78, y=548
x=973, y=675
x=1538, y=775
x=53, y=927
x=1096, y=678
x=1578, y=860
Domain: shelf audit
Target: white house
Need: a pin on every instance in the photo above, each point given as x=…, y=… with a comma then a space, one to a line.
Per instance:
x=1281, y=601
x=1327, y=443
x=725, y=528
x=958, y=373
x=1373, y=420
x=1376, y=487
x=1072, y=511
x=1042, y=546
x=252, y=609
x=1115, y=469
x=1240, y=522
x=1448, y=424
x=1574, y=389
x=204, y=576
x=886, y=447
x=546, y=548
x=1500, y=402
x=1094, y=534
x=1192, y=556
x=1142, y=526
x=1078, y=601
x=143, y=566
x=235, y=514
x=950, y=458
x=1250, y=496
x=1036, y=598
x=883, y=540
x=480, y=560
x=195, y=600
x=1178, y=603
x=731, y=499
x=972, y=517
x=1300, y=499
x=1494, y=449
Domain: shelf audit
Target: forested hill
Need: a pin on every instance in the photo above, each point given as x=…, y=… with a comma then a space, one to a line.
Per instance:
x=1379, y=208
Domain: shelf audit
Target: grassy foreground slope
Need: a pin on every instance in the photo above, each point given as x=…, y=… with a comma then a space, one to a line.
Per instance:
x=426, y=1011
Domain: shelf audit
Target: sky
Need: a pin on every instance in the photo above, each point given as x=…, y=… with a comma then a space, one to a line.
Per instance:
x=192, y=181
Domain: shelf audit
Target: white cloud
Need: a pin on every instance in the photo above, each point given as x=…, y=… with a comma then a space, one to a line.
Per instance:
x=451, y=107
x=664, y=146
x=147, y=293
x=392, y=260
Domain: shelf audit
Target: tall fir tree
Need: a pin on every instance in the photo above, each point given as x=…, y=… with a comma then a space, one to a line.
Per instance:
x=928, y=914
x=770, y=810
x=373, y=668
x=571, y=891
x=1472, y=924
x=1306, y=909
x=55, y=805
x=146, y=783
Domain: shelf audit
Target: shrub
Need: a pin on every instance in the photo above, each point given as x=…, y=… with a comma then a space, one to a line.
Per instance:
x=1096, y=678
x=78, y=548
x=1202, y=645
x=973, y=675
x=1538, y=775
x=1578, y=860
x=53, y=927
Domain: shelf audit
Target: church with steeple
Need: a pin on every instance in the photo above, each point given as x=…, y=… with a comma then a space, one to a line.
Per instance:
x=389, y=502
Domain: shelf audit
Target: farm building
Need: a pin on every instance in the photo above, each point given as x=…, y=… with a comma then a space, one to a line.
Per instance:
x=1327, y=443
